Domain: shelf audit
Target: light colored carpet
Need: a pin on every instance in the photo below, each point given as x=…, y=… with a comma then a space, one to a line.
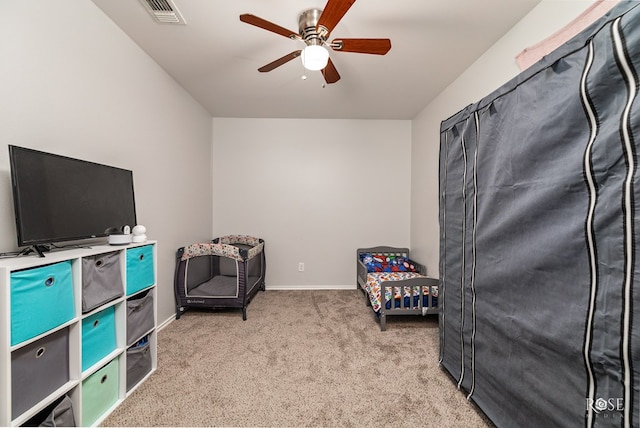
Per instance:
x=302, y=358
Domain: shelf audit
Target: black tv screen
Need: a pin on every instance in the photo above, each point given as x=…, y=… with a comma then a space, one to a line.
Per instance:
x=58, y=198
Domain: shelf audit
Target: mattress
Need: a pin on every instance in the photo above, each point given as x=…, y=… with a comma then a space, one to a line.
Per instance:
x=222, y=286
x=218, y=286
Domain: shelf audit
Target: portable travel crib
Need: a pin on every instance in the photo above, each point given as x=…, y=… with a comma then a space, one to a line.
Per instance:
x=224, y=273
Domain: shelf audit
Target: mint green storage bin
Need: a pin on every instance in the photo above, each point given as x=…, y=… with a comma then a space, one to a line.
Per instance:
x=46, y=291
x=99, y=393
x=98, y=336
x=139, y=268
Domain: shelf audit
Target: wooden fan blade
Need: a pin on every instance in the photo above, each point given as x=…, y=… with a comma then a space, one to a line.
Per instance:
x=333, y=13
x=368, y=46
x=269, y=26
x=330, y=73
x=277, y=63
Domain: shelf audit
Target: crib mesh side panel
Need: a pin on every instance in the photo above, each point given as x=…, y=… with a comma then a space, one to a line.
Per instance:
x=226, y=266
x=254, y=267
x=538, y=212
x=201, y=269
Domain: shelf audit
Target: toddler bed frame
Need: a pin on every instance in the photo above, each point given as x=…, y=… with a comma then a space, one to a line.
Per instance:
x=224, y=273
x=423, y=289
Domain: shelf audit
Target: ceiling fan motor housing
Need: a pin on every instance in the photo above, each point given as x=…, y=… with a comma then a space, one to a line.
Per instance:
x=307, y=27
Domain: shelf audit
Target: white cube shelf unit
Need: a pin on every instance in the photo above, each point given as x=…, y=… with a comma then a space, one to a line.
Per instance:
x=79, y=325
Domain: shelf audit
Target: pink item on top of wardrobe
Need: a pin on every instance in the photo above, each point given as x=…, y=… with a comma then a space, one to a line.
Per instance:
x=534, y=53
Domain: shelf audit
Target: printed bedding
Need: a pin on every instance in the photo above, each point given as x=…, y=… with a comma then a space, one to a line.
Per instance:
x=373, y=289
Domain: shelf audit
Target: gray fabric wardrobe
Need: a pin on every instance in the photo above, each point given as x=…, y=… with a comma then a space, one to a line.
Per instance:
x=539, y=188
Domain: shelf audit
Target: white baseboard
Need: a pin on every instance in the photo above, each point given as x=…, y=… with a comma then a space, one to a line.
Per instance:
x=310, y=287
x=166, y=322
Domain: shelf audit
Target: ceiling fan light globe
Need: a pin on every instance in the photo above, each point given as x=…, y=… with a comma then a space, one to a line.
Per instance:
x=314, y=57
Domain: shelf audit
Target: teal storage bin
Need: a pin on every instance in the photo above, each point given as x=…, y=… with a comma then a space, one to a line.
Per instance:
x=41, y=299
x=98, y=336
x=99, y=393
x=139, y=268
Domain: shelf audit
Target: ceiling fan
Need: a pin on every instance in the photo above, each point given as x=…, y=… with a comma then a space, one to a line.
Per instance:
x=314, y=27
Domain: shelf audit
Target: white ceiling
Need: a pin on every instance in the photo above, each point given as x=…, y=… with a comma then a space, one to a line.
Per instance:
x=215, y=56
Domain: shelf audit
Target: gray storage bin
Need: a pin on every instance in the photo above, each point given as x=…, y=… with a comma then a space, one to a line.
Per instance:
x=101, y=280
x=58, y=414
x=38, y=369
x=140, y=318
x=138, y=362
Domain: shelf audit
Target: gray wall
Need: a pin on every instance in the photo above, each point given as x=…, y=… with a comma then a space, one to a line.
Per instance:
x=315, y=190
x=71, y=82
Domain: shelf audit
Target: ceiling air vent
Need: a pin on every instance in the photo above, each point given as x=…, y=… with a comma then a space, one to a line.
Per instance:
x=164, y=11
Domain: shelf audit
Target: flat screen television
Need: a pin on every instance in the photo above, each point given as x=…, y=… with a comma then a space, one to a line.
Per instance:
x=58, y=198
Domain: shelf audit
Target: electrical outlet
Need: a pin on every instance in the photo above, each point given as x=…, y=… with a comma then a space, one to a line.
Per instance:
x=301, y=267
